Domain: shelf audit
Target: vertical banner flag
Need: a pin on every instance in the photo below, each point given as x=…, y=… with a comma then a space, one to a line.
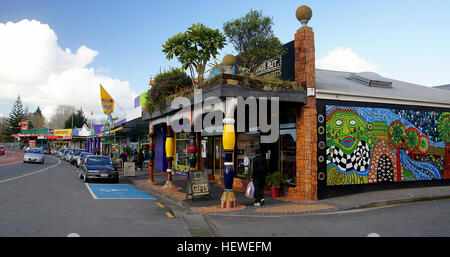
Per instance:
x=107, y=101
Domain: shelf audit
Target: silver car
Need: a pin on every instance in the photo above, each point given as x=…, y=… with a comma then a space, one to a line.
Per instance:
x=34, y=154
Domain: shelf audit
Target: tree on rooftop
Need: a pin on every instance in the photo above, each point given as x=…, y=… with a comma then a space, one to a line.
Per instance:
x=194, y=48
x=253, y=39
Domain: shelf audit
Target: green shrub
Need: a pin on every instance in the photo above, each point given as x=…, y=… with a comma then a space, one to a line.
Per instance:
x=166, y=83
x=275, y=179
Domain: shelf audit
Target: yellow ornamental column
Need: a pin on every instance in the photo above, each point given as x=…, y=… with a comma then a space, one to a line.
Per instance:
x=169, y=155
x=228, y=199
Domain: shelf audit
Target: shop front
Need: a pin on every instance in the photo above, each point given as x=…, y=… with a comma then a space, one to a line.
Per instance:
x=280, y=154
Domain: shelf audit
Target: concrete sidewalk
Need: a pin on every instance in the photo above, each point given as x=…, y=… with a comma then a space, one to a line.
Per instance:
x=280, y=206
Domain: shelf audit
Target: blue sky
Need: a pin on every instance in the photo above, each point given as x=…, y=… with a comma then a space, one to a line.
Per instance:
x=405, y=40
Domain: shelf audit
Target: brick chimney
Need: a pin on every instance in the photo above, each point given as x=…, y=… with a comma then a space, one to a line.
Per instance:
x=306, y=117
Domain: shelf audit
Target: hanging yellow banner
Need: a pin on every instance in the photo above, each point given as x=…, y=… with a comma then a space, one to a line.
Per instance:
x=107, y=101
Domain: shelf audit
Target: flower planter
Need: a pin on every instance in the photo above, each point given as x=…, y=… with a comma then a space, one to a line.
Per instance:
x=275, y=192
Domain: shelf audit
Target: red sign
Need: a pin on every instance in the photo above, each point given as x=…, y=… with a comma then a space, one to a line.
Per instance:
x=32, y=143
x=23, y=125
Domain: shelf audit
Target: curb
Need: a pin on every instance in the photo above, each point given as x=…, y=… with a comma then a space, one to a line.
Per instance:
x=398, y=201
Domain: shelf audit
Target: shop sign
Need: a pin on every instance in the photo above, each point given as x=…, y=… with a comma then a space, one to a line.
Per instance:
x=23, y=125
x=198, y=184
x=62, y=132
x=32, y=143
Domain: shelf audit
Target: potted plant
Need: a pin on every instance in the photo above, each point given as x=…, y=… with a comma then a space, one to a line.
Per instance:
x=274, y=180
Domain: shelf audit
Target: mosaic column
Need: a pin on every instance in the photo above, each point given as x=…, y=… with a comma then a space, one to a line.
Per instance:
x=169, y=155
x=228, y=199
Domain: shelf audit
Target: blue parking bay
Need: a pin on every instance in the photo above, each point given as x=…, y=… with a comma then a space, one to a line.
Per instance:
x=102, y=191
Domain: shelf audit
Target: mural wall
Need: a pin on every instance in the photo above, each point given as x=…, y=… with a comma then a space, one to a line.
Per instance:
x=375, y=145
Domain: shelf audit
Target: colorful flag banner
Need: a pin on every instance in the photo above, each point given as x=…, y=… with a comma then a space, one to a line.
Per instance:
x=107, y=101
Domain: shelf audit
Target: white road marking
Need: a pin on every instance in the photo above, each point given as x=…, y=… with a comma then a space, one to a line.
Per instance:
x=373, y=235
x=29, y=174
x=90, y=190
x=73, y=235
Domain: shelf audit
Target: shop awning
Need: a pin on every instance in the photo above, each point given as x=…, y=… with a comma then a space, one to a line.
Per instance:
x=116, y=129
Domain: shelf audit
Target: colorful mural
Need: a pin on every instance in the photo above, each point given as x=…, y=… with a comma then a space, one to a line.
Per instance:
x=375, y=145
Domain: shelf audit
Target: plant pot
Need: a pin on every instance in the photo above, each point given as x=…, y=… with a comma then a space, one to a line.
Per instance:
x=244, y=184
x=275, y=192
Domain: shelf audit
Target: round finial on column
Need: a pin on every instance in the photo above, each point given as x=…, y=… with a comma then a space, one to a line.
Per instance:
x=229, y=61
x=304, y=14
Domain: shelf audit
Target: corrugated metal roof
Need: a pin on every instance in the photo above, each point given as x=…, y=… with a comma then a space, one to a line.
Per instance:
x=445, y=87
x=337, y=83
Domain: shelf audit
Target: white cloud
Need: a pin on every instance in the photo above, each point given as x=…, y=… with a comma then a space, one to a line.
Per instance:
x=34, y=66
x=344, y=59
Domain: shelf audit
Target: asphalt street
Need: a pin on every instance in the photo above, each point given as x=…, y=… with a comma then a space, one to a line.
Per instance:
x=423, y=219
x=50, y=200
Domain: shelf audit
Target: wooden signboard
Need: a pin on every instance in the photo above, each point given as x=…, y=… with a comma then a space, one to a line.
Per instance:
x=197, y=184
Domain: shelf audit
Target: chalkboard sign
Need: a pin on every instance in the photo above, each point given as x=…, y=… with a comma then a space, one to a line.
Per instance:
x=198, y=184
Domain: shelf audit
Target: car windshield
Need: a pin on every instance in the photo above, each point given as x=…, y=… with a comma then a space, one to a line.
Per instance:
x=35, y=150
x=98, y=160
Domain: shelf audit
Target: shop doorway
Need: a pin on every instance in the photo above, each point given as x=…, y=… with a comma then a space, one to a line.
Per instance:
x=218, y=160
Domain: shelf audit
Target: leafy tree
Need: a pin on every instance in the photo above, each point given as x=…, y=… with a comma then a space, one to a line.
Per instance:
x=75, y=120
x=252, y=37
x=412, y=139
x=444, y=134
x=62, y=113
x=194, y=48
x=397, y=136
x=166, y=83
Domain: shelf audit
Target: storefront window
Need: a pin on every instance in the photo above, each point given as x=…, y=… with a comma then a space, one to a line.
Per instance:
x=181, y=148
x=246, y=147
x=287, y=154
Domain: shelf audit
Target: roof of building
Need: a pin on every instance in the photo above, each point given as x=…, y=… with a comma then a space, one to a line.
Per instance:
x=445, y=87
x=338, y=85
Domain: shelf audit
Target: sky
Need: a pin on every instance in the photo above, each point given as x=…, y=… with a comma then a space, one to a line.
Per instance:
x=60, y=51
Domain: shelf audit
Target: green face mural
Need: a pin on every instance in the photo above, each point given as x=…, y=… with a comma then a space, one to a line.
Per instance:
x=345, y=129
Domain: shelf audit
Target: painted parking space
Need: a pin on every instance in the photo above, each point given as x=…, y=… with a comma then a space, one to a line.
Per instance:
x=105, y=191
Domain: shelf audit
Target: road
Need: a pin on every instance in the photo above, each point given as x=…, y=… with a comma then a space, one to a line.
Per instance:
x=50, y=200
x=422, y=219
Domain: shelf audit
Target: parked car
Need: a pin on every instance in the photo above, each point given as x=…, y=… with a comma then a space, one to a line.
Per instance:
x=45, y=150
x=66, y=154
x=60, y=152
x=34, y=154
x=2, y=150
x=74, y=156
x=98, y=167
x=81, y=158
